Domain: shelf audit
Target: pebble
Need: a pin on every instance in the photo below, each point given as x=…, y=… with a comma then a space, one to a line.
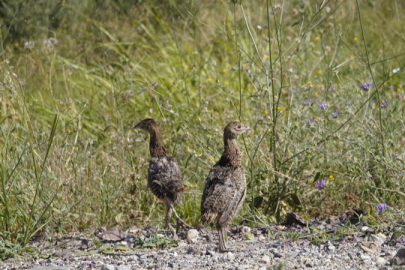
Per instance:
x=230, y=256
x=380, y=261
x=122, y=267
x=209, y=252
x=246, y=229
x=192, y=236
x=265, y=259
x=364, y=228
x=107, y=267
x=377, y=239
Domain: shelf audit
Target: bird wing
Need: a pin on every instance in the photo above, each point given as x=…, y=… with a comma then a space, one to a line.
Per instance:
x=222, y=195
x=164, y=177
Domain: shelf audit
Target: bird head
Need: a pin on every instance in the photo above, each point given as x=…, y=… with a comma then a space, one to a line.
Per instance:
x=234, y=128
x=147, y=124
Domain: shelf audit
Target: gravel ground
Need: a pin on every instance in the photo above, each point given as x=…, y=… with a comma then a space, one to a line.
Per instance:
x=250, y=248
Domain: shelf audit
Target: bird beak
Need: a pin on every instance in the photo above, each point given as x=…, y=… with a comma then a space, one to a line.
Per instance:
x=247, y=128
x=137, y=125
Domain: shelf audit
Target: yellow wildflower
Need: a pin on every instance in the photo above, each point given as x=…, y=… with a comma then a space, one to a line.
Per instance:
x=244, y=65
x=316, y=93
x=265, y=112
x=351, y=56
x=317, y=38
x=399, y=89
x=356, y=39
x=279, y=108
x=209, y=79
x=309, y=83
x=331, y=177
x=224, y=71
x=226, y=83
x=319, y=72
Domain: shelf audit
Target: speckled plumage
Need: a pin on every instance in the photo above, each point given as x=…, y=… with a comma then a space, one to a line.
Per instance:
x=164, y=177
x=225, y=187
x=224, y=192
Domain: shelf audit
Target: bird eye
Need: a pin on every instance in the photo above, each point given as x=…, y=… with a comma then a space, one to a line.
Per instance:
x=239, y=126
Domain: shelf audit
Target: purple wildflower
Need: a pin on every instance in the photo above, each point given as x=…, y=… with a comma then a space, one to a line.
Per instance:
x=322, y=105
x=381, y=207
x=321, y=183
x=366, y=85
x=306, y=102
x=330, y=89
x=335, y=114
x=384, y=103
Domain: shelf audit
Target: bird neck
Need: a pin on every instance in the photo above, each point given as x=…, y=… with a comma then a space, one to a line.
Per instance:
x=231, y=155
x=155, y=146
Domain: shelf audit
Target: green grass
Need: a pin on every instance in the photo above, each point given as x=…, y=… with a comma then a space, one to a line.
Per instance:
x=70, y=159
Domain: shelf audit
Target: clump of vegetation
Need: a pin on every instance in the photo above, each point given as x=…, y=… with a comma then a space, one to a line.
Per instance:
x=321, y=84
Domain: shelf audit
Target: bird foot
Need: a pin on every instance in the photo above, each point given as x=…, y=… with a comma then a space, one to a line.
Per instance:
x=224, y=250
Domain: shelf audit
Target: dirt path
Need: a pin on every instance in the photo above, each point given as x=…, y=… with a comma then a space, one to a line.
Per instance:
x=249, y=249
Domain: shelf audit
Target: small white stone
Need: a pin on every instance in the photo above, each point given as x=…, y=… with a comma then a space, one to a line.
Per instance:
x=122, y=267
x=192, y=236
x=265, y=259
x=381, y=261
x=107, y=267
x=230, y=256
x=365, y=257
x=364, y=228
x=246, y=229
x=175, y=254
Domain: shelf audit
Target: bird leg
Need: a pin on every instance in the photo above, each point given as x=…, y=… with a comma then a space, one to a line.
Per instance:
x=222, y=243
x=168, y=216
x=180, y=222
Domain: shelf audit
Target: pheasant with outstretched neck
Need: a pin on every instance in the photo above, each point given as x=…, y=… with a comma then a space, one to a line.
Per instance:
x=225, y=187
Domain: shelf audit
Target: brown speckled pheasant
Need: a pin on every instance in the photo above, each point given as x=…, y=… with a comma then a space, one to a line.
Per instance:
x=164, y=177
x=225, y=186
